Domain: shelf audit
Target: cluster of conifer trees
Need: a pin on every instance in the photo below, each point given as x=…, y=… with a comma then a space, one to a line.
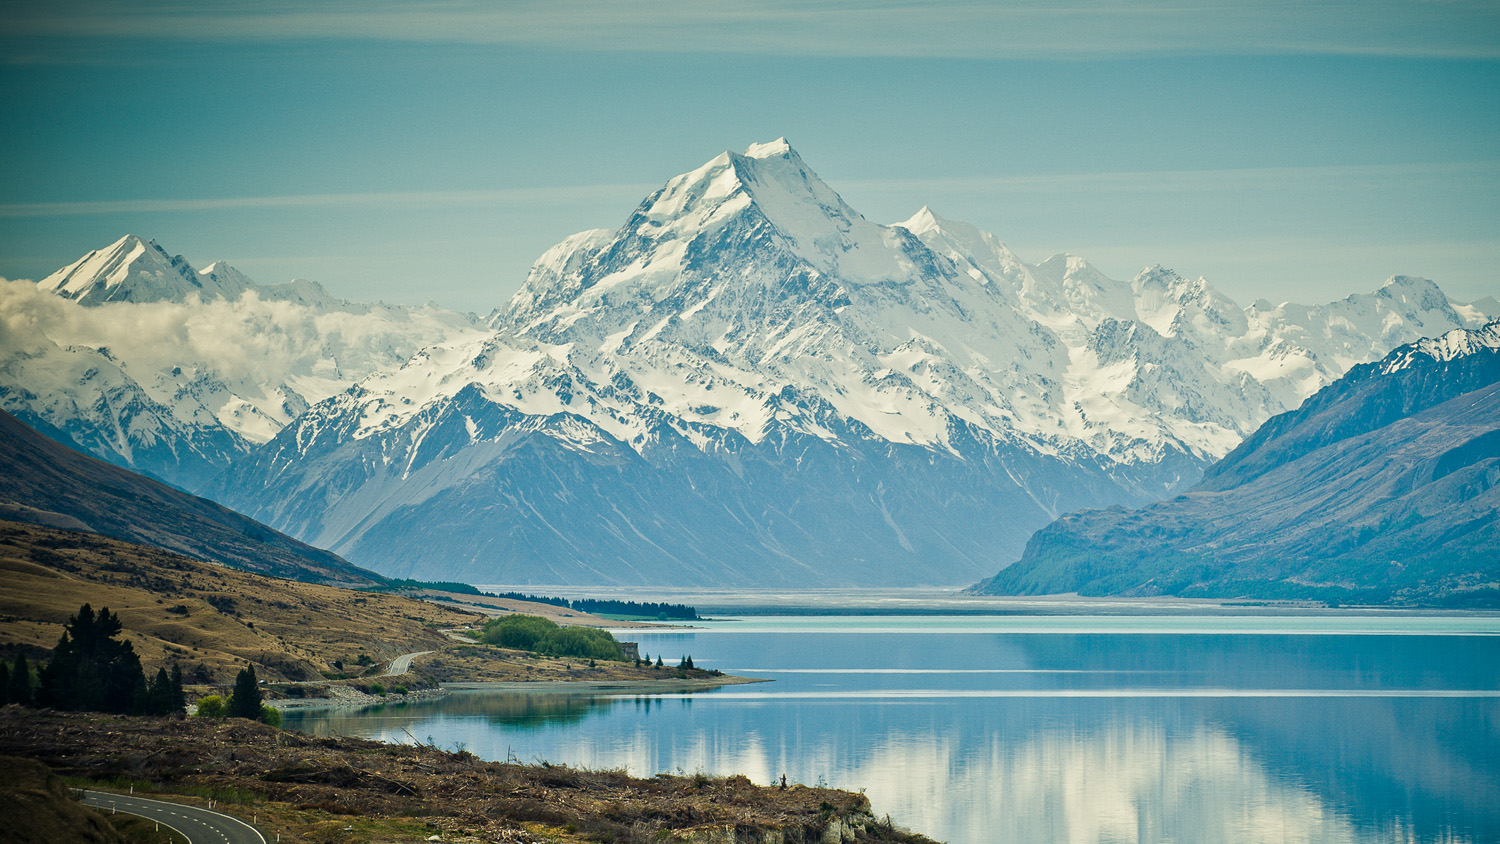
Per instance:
x=92, y=670
x=245, y=702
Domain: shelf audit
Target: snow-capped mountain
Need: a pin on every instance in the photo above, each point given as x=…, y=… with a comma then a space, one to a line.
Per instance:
x=139, y=359
x=749, y=382
x=1380, y=487
x=135, y=270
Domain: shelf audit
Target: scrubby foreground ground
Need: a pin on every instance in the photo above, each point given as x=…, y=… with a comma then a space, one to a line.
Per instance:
x=352, y=790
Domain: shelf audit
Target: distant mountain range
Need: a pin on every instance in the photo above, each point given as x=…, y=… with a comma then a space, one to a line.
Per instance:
x=176, y=372
x=1384, y=486
x=747, y=383
x=45, y=483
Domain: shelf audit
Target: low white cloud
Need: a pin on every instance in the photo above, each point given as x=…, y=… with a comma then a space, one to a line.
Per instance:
x=243, y=346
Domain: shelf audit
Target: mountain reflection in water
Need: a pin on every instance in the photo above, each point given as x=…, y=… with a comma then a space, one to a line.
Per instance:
x=983, y=737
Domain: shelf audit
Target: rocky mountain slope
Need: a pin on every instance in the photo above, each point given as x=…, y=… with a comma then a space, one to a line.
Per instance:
x=45, y=483
x=750, y=383
x=137, y=358
x=1383, y=486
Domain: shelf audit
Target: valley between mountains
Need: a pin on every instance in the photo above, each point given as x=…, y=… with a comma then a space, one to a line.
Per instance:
x=746, y=384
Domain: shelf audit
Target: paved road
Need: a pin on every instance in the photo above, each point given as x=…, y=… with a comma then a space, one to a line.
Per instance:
x=200, y=826
x=402, y=664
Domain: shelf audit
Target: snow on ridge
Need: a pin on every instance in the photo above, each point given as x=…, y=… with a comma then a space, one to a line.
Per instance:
x=746, y=296
x=828, y=304
x=770, y=149
x=200, y=351
x=129, y=269
x=1458, y=343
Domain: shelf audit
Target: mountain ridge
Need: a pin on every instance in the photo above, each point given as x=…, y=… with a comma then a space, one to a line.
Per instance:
x=43, y=482
x=145, y=362
x=745, y=316
x=1384, y=486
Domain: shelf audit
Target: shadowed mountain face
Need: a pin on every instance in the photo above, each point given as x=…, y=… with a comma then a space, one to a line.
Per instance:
x=1383, y=486
x=45, y=483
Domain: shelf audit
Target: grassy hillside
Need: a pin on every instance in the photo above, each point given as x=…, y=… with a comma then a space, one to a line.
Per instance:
x=213, y=619
x=43, y=482
x=203, y=614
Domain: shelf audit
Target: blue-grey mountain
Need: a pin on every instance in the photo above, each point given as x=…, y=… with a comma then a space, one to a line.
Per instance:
x=46, y=483
x=1384, y=486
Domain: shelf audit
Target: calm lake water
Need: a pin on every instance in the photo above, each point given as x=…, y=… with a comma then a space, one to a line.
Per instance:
x=990, y=730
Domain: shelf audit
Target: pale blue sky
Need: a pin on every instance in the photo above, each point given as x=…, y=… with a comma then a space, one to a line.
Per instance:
x=407, y=151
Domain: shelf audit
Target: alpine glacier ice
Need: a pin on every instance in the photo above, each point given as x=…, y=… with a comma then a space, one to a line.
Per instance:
x=750, y=383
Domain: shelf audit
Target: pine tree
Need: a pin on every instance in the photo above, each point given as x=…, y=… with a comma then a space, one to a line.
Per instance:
x=20, y=681
x=245, y=702
x=91, y=670
x=159, y=694
x=179, y=700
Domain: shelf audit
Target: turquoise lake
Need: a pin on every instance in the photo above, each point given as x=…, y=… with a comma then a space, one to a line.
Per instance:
x=999, y=729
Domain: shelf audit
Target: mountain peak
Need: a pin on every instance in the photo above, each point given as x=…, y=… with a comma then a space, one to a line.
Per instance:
x=771, y=184
x=1420, y=291
x=774, y=149
x=1451, y=345
x=925, y=220
x=128, y=270
x=221, y=280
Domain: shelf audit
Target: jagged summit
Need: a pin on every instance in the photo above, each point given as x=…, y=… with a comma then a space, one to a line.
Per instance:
x=136, y=270
x=773, y=149
x=128, y=270
x=1455, y=344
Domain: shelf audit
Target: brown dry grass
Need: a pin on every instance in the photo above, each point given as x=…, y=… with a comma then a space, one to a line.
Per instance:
x=202, y=614
x=35, y=808
x=213, y=620
x=307, y=789
x=504, y=606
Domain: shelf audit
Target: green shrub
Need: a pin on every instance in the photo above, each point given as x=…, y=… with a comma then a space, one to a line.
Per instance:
x=270, y=715
x=211, y=706
x=539, y=635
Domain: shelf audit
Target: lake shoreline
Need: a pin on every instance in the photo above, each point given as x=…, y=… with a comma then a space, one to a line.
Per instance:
x=355, y=699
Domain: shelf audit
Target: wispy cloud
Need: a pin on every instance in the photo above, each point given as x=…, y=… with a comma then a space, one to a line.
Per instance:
x=1144, y=181
x=530, y=197
x=1018, y=28
x=1176, y=181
